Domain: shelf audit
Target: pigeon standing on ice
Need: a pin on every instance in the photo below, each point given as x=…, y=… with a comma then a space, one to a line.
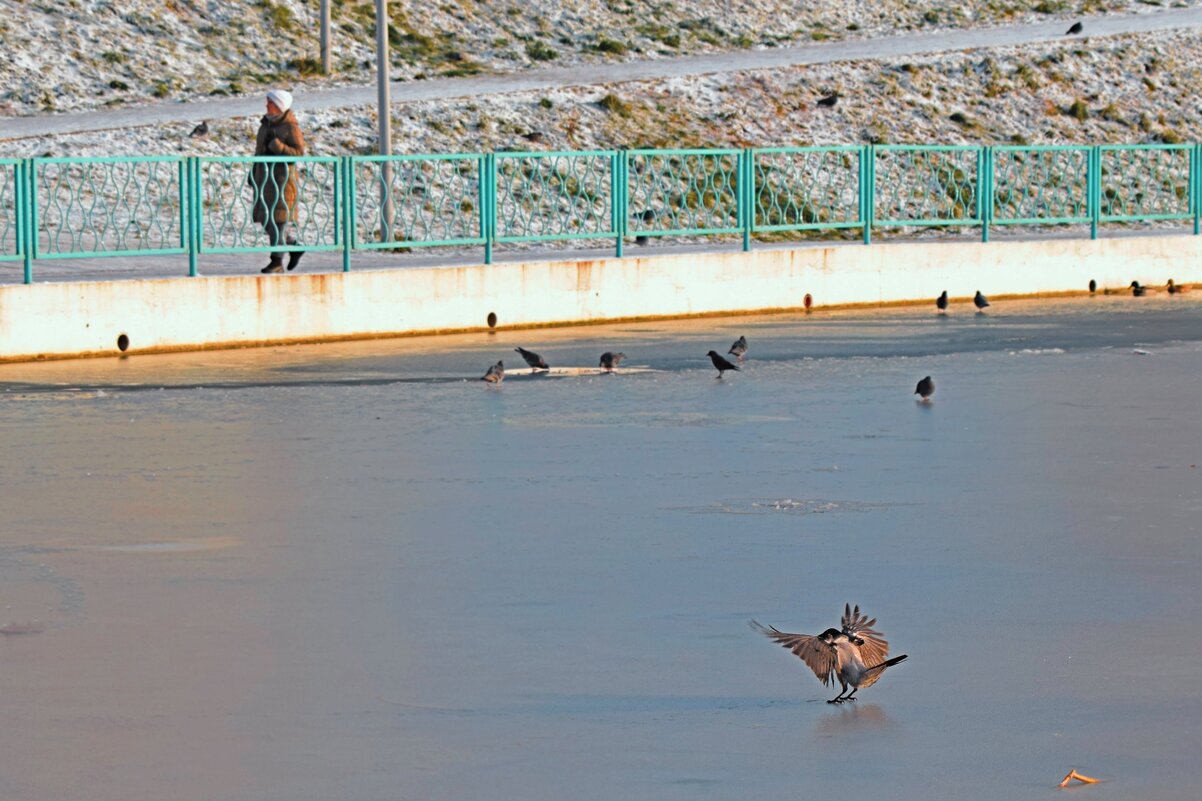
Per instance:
x=1137, y=290
x=925, y=388
x=533, y=359
x=495, y=374
x=941, y=302
x=611, y=360
x=720, y=363
x=856, y=655
x=980, y=301
x=739, y=349
x=1074, y=29
x=200, y=130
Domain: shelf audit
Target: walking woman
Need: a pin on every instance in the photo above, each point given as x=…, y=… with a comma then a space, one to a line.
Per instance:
x=275, y=183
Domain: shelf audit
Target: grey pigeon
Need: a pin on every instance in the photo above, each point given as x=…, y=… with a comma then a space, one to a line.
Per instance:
x=830, y=100
x=495, y=374
x=925, y=388
x=1137, y=290
x=856, y=654
x=200, y=130
x=980, y=300
x=1074, y=29
x=739, y=349
x=941, y=302
x=533, y=359
x=1093, y=286
x=721, y=363
x=611, y=360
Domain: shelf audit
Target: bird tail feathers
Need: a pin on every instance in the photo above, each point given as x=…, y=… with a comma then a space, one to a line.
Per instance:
x=886, y=664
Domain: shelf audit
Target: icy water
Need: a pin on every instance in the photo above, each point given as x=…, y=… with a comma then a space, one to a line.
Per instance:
x=356, y=572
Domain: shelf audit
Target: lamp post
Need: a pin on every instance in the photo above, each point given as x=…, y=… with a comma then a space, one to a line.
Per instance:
x=384, y=119
x=325, y=36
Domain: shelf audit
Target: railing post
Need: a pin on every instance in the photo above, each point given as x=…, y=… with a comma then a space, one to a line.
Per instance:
x=488, y=196
x=747, y=195
x=31, y=217
x=985, y=189
x=867, y=189
x=188, y=209
x=19, y=207
x=623, y=198
x=197, y=206
x=1196, y=161
x=617, y=192
x=1094, y=189
x=348, y=211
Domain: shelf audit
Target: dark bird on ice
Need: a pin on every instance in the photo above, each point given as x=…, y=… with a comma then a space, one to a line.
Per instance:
x=1093, y=286
x=611, y=360
x=1074, y=29
x=941, y=302
x=721, y=363
x=739, y=349
x=925, y=388
x=200, y=130
x=1175, y=289
x=495, y=374
x=980, y=301
x=856, y=655
x=830, y=100
x=533, y=359
x=1137, y=290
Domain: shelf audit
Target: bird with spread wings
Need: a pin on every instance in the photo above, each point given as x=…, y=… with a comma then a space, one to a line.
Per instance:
x=856, y=655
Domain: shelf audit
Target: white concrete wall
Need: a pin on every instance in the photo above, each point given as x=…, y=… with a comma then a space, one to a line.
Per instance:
x=56, y=320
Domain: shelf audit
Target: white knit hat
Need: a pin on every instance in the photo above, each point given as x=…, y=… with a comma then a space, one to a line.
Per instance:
x=280, y=98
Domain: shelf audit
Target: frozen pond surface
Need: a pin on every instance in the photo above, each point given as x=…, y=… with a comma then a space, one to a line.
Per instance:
x=345, y=572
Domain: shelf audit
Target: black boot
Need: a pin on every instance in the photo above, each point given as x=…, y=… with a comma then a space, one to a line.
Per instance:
x=274, y=266
x=294, y=259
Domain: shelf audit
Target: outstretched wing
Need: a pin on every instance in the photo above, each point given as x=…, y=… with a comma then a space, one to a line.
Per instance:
x=875, y=649
x=817, y=655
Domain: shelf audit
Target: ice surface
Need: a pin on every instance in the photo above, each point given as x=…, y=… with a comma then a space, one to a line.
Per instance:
x=424, y=588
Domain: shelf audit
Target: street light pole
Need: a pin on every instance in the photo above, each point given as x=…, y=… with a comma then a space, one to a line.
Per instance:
x=384, y=119
x=325, y=36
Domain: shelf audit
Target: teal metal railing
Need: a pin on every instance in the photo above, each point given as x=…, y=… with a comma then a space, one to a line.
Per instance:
x=65, y=208
x=117, y=206
x=12, y=203
x=546, y=197
x=684, y=192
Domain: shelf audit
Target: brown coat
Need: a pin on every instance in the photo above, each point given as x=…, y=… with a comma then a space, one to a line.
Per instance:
x=281, y=137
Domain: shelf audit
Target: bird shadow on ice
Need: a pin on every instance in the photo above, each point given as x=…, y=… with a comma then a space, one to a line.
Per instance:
x=854, y=717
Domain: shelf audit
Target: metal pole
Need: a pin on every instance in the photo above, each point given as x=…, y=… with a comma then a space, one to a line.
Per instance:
x=985, y=189
x=31, y=217
x=868, y=189
x=1094, y=188
x=1197, y=189
x=24, y=213
x=348, y=211
x=325, y=36
x=745, y=197
x=385, y=120
x=187, y=212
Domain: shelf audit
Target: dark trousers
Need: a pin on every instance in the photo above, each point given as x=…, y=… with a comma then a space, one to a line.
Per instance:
x=277, y=237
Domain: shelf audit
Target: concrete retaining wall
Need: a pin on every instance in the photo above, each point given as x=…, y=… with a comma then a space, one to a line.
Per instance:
x=59, y=320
